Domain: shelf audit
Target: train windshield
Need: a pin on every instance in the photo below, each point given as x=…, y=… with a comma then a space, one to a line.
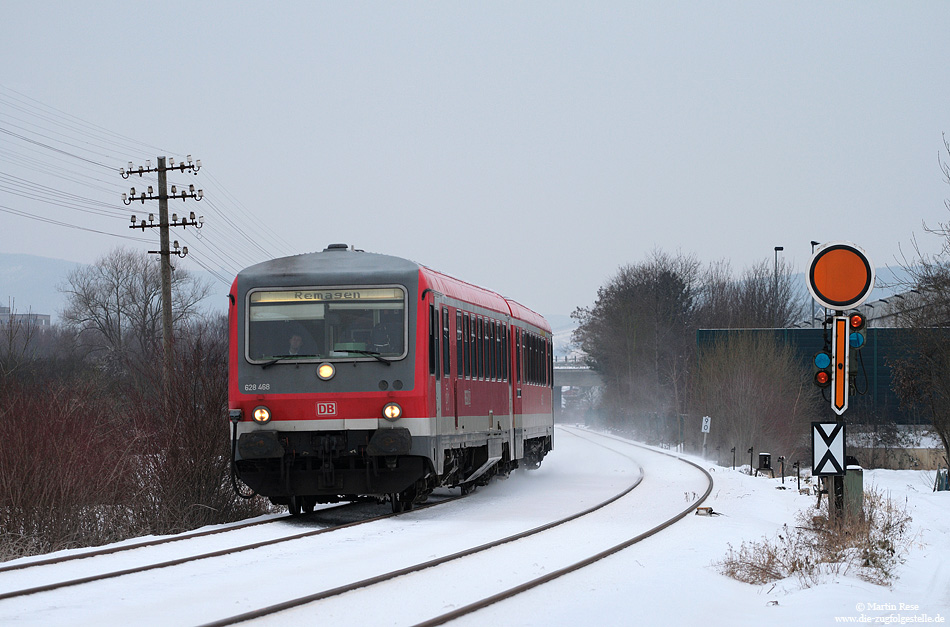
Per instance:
x=318, y=324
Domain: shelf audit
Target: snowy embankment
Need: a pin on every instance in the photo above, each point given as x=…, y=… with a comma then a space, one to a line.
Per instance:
x=669, y=579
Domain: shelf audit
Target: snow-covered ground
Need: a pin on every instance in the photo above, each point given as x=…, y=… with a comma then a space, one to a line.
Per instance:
x=669, y=579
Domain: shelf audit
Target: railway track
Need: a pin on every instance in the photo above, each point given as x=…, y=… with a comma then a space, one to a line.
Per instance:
x=409, y=577
x=328, y=518
x=578, y=565
x=419, y=567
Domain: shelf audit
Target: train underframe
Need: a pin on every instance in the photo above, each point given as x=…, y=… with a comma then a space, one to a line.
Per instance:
x=301, y=469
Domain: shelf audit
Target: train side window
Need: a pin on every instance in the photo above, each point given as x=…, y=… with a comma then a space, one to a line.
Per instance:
x=498, y=353
x=458, y=342
x=502, y=369
x=538, y=356
x=526, y=345
x=486, y=331
x=550, y=363
x=529, y=358
x=518, y=355
x=505, y=353
x=487, y=340
x=476, y=349
x=489, y=349
x=534, y=359
x=467, y=340
x=446, y=346
x=480, y=341
x=433, y=342
x=490, y=332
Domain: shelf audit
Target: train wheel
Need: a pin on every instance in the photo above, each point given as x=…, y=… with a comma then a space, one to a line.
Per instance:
x=403, y=501
x=295, y=504
x=308, y=503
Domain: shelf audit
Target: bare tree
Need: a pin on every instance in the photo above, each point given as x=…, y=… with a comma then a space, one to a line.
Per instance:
x=755, y=389
x=922, y=378
x=638, y=336
x=115, y=305
x=764, y=296
x=16, y=344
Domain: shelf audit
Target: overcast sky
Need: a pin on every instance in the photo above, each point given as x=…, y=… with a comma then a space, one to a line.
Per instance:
x=530, y=147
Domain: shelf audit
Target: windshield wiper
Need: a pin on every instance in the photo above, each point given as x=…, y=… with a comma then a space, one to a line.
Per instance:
x=371, y=354
x=279, y=358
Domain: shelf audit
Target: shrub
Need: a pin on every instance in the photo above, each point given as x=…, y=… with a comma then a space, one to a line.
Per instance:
x=871, y=548
x=63, y=470
x=87, y=462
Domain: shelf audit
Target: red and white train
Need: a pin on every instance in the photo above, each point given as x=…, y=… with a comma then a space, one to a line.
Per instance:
x=358, y=374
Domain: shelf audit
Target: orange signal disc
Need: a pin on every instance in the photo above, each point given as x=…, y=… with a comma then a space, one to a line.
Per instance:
x=840, y=276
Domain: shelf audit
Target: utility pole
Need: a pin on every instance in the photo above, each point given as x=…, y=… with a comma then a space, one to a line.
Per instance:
x=165, y=249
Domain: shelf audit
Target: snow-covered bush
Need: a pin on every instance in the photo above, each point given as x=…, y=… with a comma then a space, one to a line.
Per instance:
x=822, y=546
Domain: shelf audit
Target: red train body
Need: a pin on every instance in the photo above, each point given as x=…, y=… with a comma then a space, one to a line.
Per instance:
x=356, y=374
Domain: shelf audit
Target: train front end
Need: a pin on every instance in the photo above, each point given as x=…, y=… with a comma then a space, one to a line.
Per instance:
x=325, y=396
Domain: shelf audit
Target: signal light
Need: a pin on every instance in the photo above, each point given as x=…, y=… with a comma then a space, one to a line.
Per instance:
x=822, y=363
x=856, y=325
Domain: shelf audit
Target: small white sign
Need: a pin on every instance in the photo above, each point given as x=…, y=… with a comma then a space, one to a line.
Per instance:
x=828, y=449
x=706, y=421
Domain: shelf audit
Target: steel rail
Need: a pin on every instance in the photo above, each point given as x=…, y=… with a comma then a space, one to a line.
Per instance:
x=201, y=556
x=138, y=545
x=512, y=592
x=319, y=596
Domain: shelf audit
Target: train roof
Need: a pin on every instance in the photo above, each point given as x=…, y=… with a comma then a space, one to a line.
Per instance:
x=451, y=286
x=349, y=265
x=336, y=259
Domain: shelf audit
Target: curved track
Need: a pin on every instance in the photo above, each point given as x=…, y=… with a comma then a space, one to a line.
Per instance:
x=397, y=544
x=576, y=566
x=364, y=585
x=385, y=577
x=325, y=516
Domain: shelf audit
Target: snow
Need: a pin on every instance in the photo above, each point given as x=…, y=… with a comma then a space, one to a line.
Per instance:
x=668, y=579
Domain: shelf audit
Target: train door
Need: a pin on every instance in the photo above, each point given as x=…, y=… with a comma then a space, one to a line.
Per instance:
x=435, y=361
x=515, y=384
x=448, y=407
x=506, y=375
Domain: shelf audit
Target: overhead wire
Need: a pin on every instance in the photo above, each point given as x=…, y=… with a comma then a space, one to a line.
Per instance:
x=26, y=214
x=229, y=245
x=69, y=120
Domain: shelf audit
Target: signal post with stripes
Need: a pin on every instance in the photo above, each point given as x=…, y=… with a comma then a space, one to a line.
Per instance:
x=840, y=278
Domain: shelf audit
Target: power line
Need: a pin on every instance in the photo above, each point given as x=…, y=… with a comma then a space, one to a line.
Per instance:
x=36, y=136
x=26, y=214
x=33, y=141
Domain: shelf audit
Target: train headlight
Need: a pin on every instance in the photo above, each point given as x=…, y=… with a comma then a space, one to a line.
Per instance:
x=326, y=371
x=261, y=415
x=392, y=411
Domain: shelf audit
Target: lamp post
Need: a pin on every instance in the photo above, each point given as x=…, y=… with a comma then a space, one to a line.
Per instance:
x=775, y=288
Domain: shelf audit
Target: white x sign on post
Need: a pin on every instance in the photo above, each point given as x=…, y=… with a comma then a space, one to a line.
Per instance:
x=828, y=458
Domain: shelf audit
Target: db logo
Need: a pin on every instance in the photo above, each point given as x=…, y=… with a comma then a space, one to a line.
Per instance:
x=326, y=409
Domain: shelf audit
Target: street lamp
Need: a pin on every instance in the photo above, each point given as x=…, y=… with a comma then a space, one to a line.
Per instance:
x=775, y=288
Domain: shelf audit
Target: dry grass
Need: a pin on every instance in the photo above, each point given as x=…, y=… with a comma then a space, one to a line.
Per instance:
x=870, y=549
